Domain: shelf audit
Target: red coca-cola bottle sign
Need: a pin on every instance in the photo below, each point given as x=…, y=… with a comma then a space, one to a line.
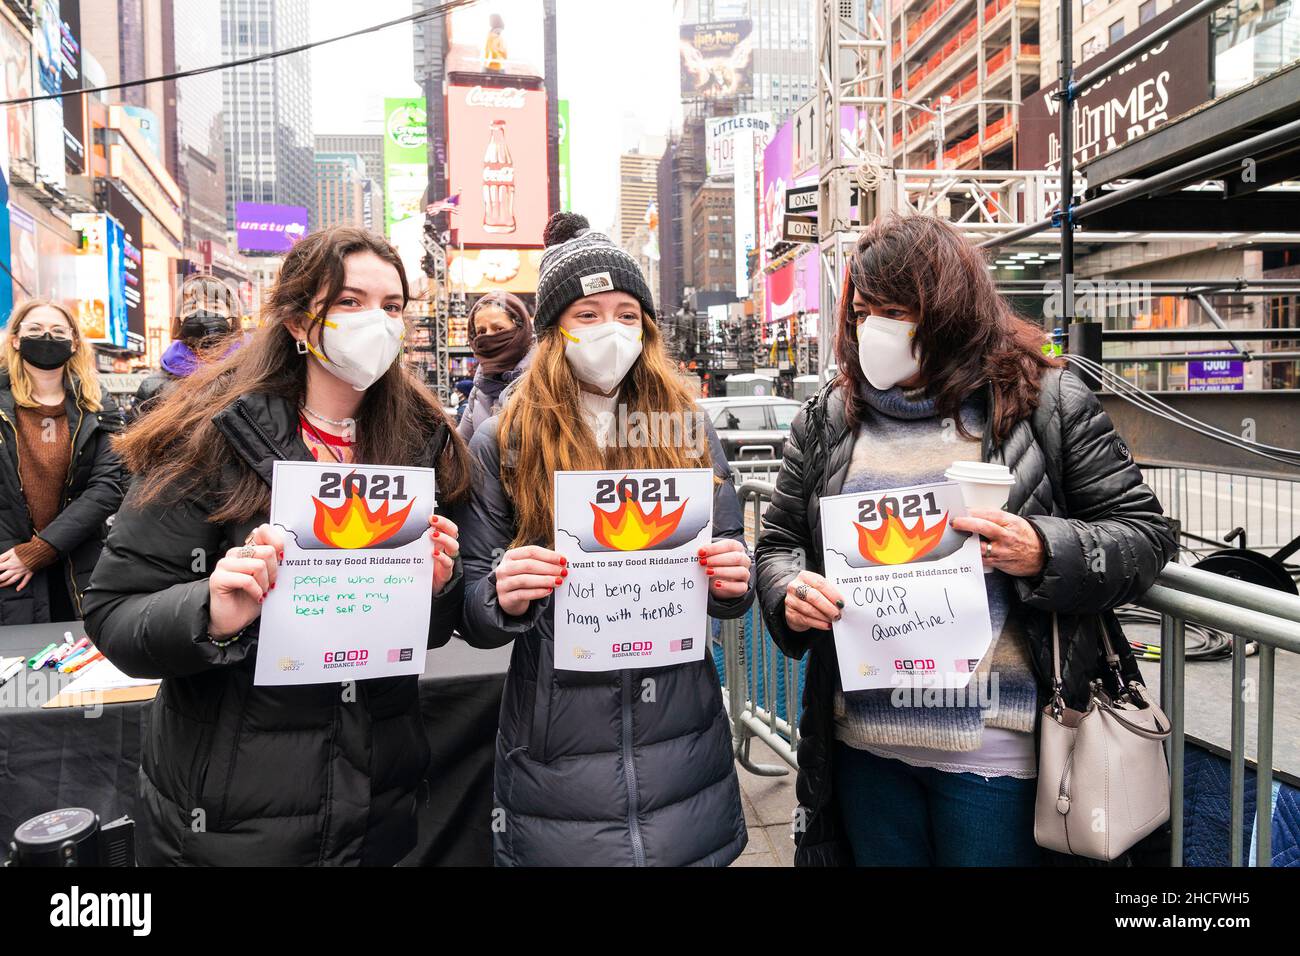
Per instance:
x=498, y=182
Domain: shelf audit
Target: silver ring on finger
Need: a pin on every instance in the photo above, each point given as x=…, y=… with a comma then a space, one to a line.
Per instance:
x=988, y=549
x=801, y=592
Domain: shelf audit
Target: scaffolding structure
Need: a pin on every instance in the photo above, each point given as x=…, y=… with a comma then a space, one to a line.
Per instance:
x=862, y=63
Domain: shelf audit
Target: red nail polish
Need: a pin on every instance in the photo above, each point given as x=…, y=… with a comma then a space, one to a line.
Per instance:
x=435, y=533
x=710, y=571
x=261, y=599
x=564, y=573
x=701, y=552
x=717, y=584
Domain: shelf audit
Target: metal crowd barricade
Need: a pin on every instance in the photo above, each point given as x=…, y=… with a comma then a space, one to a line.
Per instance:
x=1209, y=504
x=765, y=688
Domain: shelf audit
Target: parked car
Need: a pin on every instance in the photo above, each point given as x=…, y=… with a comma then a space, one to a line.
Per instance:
x=750, y=426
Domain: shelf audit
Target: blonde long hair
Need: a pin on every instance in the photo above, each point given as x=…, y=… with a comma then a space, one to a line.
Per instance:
x=79, y=371
x=544, y=429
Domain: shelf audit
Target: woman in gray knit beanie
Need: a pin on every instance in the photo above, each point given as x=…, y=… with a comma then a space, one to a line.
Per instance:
x=591, y=768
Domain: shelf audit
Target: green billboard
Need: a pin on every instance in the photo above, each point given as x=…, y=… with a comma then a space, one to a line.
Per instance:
x=406, y=159
x=566, y=200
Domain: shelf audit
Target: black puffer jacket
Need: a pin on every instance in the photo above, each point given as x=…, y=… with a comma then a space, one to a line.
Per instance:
x=1103, y=531
x=601, y=769
x=94, y=489
x=151, y=390
x=235, y=774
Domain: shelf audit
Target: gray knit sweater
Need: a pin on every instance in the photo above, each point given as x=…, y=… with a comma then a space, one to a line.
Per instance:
x=901, y=441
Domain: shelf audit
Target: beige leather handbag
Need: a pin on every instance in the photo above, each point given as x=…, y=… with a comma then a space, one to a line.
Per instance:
x=1103, y=781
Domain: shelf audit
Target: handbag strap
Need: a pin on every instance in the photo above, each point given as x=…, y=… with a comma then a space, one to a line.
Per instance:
x=1160, y=733
x=1112, y=658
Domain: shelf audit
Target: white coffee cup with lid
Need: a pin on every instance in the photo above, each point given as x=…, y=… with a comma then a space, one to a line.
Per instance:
x=983, y=485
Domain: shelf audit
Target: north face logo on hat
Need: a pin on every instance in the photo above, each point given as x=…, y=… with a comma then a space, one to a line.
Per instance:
x=596, y=282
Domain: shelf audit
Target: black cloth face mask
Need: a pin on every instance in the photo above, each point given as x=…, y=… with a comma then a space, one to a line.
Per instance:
x=45, y=351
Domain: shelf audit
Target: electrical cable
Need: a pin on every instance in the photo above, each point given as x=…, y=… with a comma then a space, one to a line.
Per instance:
x=1147, y=402
x=1202, y=643
x=1124, y=389
x=431, y=13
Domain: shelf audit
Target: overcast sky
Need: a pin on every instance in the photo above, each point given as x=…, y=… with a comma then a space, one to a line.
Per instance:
x=619, y=74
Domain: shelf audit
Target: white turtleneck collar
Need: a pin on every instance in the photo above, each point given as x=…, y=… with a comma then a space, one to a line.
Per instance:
x=600, y=413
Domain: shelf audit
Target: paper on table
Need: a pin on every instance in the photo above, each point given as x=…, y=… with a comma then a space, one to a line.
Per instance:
x=102, y=683
x=102, y=675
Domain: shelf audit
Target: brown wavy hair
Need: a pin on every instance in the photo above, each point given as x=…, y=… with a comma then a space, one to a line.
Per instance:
x=544, y=426
x=966, y=335
x=172, y=448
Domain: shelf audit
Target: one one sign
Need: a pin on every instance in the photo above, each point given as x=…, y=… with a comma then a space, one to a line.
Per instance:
x=1160, y=82
x=799, y=229
x=916, y=609
x=635, y=595
x=801, y=200
x=354, y=591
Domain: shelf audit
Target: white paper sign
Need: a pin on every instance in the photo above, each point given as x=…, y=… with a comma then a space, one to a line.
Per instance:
x=355, y=588
x=916, y=611
x=636, y=594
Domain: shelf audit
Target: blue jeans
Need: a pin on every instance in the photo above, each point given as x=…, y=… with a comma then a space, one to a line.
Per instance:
x=895, y=814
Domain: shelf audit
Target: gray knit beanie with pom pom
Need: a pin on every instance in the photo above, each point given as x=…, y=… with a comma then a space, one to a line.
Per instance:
x=577, y=263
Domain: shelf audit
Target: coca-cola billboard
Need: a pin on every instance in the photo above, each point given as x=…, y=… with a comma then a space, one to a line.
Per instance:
x=497, y=164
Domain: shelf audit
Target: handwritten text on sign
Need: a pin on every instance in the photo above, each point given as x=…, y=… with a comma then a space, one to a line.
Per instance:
x=636, y=594
x=353, y=596
x=915, y=606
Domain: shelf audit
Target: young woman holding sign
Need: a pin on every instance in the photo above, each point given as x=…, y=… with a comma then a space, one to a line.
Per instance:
x=630, y=767
x=236, y=774
x=935, y=368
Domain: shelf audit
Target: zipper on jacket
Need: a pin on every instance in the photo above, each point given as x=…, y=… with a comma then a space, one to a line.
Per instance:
x=629, y=774
x=271, y=444
x=72, y=450
x=18, y=455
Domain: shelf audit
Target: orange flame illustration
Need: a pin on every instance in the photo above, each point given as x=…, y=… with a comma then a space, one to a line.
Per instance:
x=629, y=528
x=353, y=525
x=895, y=543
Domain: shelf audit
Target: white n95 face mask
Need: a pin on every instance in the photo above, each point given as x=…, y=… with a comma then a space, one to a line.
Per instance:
x=603, y=354
x=885, y=351
x=361, y=345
